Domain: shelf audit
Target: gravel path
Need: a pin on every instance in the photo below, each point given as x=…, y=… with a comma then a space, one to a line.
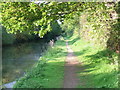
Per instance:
x=70, y=77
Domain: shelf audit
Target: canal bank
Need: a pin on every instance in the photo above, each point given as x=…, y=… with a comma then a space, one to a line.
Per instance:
x=20, y=58
x=48, y=70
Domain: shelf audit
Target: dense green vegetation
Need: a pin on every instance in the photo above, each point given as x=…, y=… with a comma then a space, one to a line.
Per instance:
x=34, y=18
x=98, y=25
x=48, y=70
x=95, y=20
x=95, y=40
x=9, y=39
x=93, y=31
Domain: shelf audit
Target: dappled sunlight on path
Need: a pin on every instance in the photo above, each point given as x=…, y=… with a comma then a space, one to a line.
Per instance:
x=70, y=77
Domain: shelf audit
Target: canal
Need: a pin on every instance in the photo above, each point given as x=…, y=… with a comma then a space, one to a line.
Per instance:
x=17, y=59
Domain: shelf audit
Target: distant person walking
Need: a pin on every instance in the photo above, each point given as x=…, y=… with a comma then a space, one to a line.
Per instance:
x=51, y=43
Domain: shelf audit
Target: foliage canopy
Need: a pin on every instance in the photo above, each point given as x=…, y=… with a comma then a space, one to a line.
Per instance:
x=35, y=18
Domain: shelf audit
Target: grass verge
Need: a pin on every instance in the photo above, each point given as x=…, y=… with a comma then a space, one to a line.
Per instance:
x=49, y=70
x=99, y=68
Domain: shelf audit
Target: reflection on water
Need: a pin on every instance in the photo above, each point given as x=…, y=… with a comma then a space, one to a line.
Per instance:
x=17, y=59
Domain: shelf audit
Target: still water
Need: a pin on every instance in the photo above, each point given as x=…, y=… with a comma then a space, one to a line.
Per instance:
x=19, y=58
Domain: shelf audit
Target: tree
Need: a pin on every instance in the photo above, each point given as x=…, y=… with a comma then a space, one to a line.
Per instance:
x=35, y=18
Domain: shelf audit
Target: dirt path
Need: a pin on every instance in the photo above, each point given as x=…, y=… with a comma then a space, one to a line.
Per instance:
x=70, y=77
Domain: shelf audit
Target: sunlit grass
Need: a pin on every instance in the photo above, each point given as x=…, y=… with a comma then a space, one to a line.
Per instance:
x=54, y=74
x=48, y=72
x=99, y=70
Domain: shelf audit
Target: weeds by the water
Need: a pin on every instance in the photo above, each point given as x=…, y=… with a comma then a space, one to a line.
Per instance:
x=48, y=72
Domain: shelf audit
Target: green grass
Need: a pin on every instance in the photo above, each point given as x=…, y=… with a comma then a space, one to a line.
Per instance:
x=48, y=72
x=99, y=69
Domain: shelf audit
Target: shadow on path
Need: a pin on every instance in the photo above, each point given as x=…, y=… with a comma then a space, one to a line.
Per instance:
x=70, y=78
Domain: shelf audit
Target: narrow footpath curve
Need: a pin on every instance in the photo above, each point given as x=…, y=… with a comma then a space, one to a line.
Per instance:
x=70, y=78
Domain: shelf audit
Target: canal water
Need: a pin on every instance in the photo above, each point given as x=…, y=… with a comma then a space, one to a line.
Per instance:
x=17, y=59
